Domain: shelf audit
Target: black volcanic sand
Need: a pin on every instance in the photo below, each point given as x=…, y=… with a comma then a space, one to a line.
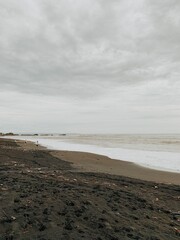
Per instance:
x=43, y=197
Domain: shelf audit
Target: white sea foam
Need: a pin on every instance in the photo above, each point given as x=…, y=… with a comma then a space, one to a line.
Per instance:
x=152, y=151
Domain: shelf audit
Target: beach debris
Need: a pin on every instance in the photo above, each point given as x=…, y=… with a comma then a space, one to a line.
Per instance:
x=117, y=214
x=4, y=189
x=177, y=231
x=175, y=213
x=4, y=213
x=7, y=218
x=107, y=225
x=108, y=184
x=156, y=187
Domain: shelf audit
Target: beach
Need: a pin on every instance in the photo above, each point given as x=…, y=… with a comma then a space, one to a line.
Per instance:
x=89, y=162
x=49, y=194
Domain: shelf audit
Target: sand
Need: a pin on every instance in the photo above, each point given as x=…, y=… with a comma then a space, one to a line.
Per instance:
x=51, y=195
x=89, y=162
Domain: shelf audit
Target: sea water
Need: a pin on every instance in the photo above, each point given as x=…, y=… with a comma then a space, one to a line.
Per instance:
x=160, y=152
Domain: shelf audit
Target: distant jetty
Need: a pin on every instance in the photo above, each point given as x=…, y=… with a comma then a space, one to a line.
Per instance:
x=8, y=134
x=31, y=134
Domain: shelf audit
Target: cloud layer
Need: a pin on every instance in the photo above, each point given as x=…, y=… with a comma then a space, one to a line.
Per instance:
x=109, y=57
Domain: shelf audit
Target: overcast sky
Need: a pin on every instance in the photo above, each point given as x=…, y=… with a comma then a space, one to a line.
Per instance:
x=90, y=66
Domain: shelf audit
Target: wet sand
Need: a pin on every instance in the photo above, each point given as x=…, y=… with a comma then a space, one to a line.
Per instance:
x=48, y=194
x=89, y=162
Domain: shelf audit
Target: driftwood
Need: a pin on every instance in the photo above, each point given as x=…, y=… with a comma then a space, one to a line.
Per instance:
x=8, y=218
x=176, y=213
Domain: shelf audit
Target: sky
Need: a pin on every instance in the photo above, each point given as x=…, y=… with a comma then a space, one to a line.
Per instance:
x=90, y=66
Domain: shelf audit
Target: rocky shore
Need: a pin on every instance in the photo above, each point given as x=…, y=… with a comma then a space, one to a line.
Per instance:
x=44, y=197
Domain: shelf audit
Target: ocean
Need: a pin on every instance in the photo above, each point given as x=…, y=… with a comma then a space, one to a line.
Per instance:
x=154, y=151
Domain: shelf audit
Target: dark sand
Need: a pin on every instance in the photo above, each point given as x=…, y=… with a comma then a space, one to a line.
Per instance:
x=43, y=196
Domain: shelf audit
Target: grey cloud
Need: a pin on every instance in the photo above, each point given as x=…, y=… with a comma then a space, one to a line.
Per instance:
x=120, y=56
x=54, y=47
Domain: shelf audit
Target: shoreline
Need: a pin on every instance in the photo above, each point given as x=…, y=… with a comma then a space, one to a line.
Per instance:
x=90, y=162
x=163, y=161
